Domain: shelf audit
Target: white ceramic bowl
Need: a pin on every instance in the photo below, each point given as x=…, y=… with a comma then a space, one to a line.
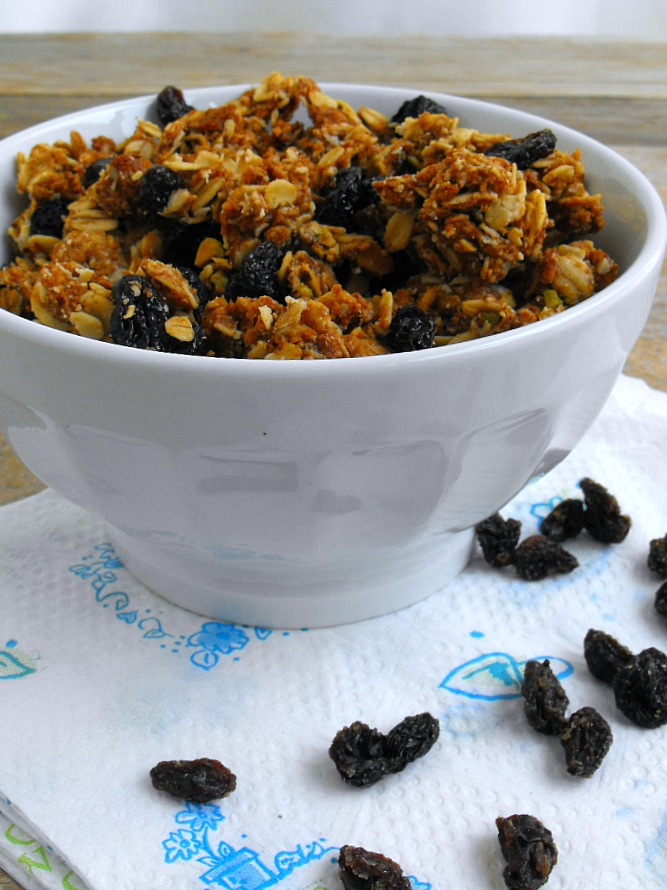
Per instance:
x=294, y=494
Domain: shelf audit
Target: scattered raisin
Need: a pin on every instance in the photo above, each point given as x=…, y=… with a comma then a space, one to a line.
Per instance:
x=537, y=556
x=566, y=520
x=258, y=275
x=94, y=171
x=139, y=314
x=586, y=739
x=352, y=191
x=171, y=105
x=524, y=152
x=602, y=515
x=364, y=755
x=411, y=329
x=640, y=689
x=360, y=755
x=529, y=850
x=498, y=539
x=657, y=556
x=415, y=107
x=661, y=599
x=604, y=655
x=412, y=738
x=156, y=187
x=198, y=780
x=48, y=218
x=360, y=869
x=545, y=700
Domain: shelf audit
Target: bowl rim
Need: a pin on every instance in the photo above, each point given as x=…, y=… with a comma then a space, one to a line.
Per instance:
x=650, y=253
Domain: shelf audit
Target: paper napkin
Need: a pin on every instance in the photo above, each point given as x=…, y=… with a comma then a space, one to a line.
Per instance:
x=100, y=679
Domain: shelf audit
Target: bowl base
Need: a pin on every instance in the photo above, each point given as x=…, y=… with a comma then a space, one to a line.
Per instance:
x=304, y=599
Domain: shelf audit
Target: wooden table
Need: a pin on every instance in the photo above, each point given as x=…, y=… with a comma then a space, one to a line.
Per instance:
x=615, y=92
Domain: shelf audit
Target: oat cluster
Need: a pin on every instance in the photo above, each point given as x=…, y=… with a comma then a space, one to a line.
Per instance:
x=287, y=225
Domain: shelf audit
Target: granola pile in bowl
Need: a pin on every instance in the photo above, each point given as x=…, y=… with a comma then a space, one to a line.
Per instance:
x=287, y=224
x=184, y=273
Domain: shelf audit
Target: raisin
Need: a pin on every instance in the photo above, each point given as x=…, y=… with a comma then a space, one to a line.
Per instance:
x=360, y=869
x=545, y=700
x=412, y=737
x=657, y=556
x=94, y=171
x=404, y=266
x=139, y=314
x=566, y=520
x=48, y=218
x=586, y=739
x=197, y=346
x=528, y=849
x=181, y=242
x=660, y=602
x=156, y=187
x=602, y=515
x=640, y=689
x=537, y=556
x=519, y=281
x=524, y=152
x=198, y=780
x=498, y=539
x=363, y=755
x=360, y=756
x=171, y=105
x=604, y=655
x=352, y=191
x=193, y=279
x=258, y=275
x=411, y=329
x=415, y=107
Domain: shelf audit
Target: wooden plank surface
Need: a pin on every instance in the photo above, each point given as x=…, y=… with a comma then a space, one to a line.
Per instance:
x=127, y=63
x=616, y=92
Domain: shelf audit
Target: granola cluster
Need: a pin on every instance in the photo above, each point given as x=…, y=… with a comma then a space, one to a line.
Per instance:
x=287, y=225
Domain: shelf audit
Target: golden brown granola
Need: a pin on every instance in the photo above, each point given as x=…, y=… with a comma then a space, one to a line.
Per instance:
x=295, y=226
